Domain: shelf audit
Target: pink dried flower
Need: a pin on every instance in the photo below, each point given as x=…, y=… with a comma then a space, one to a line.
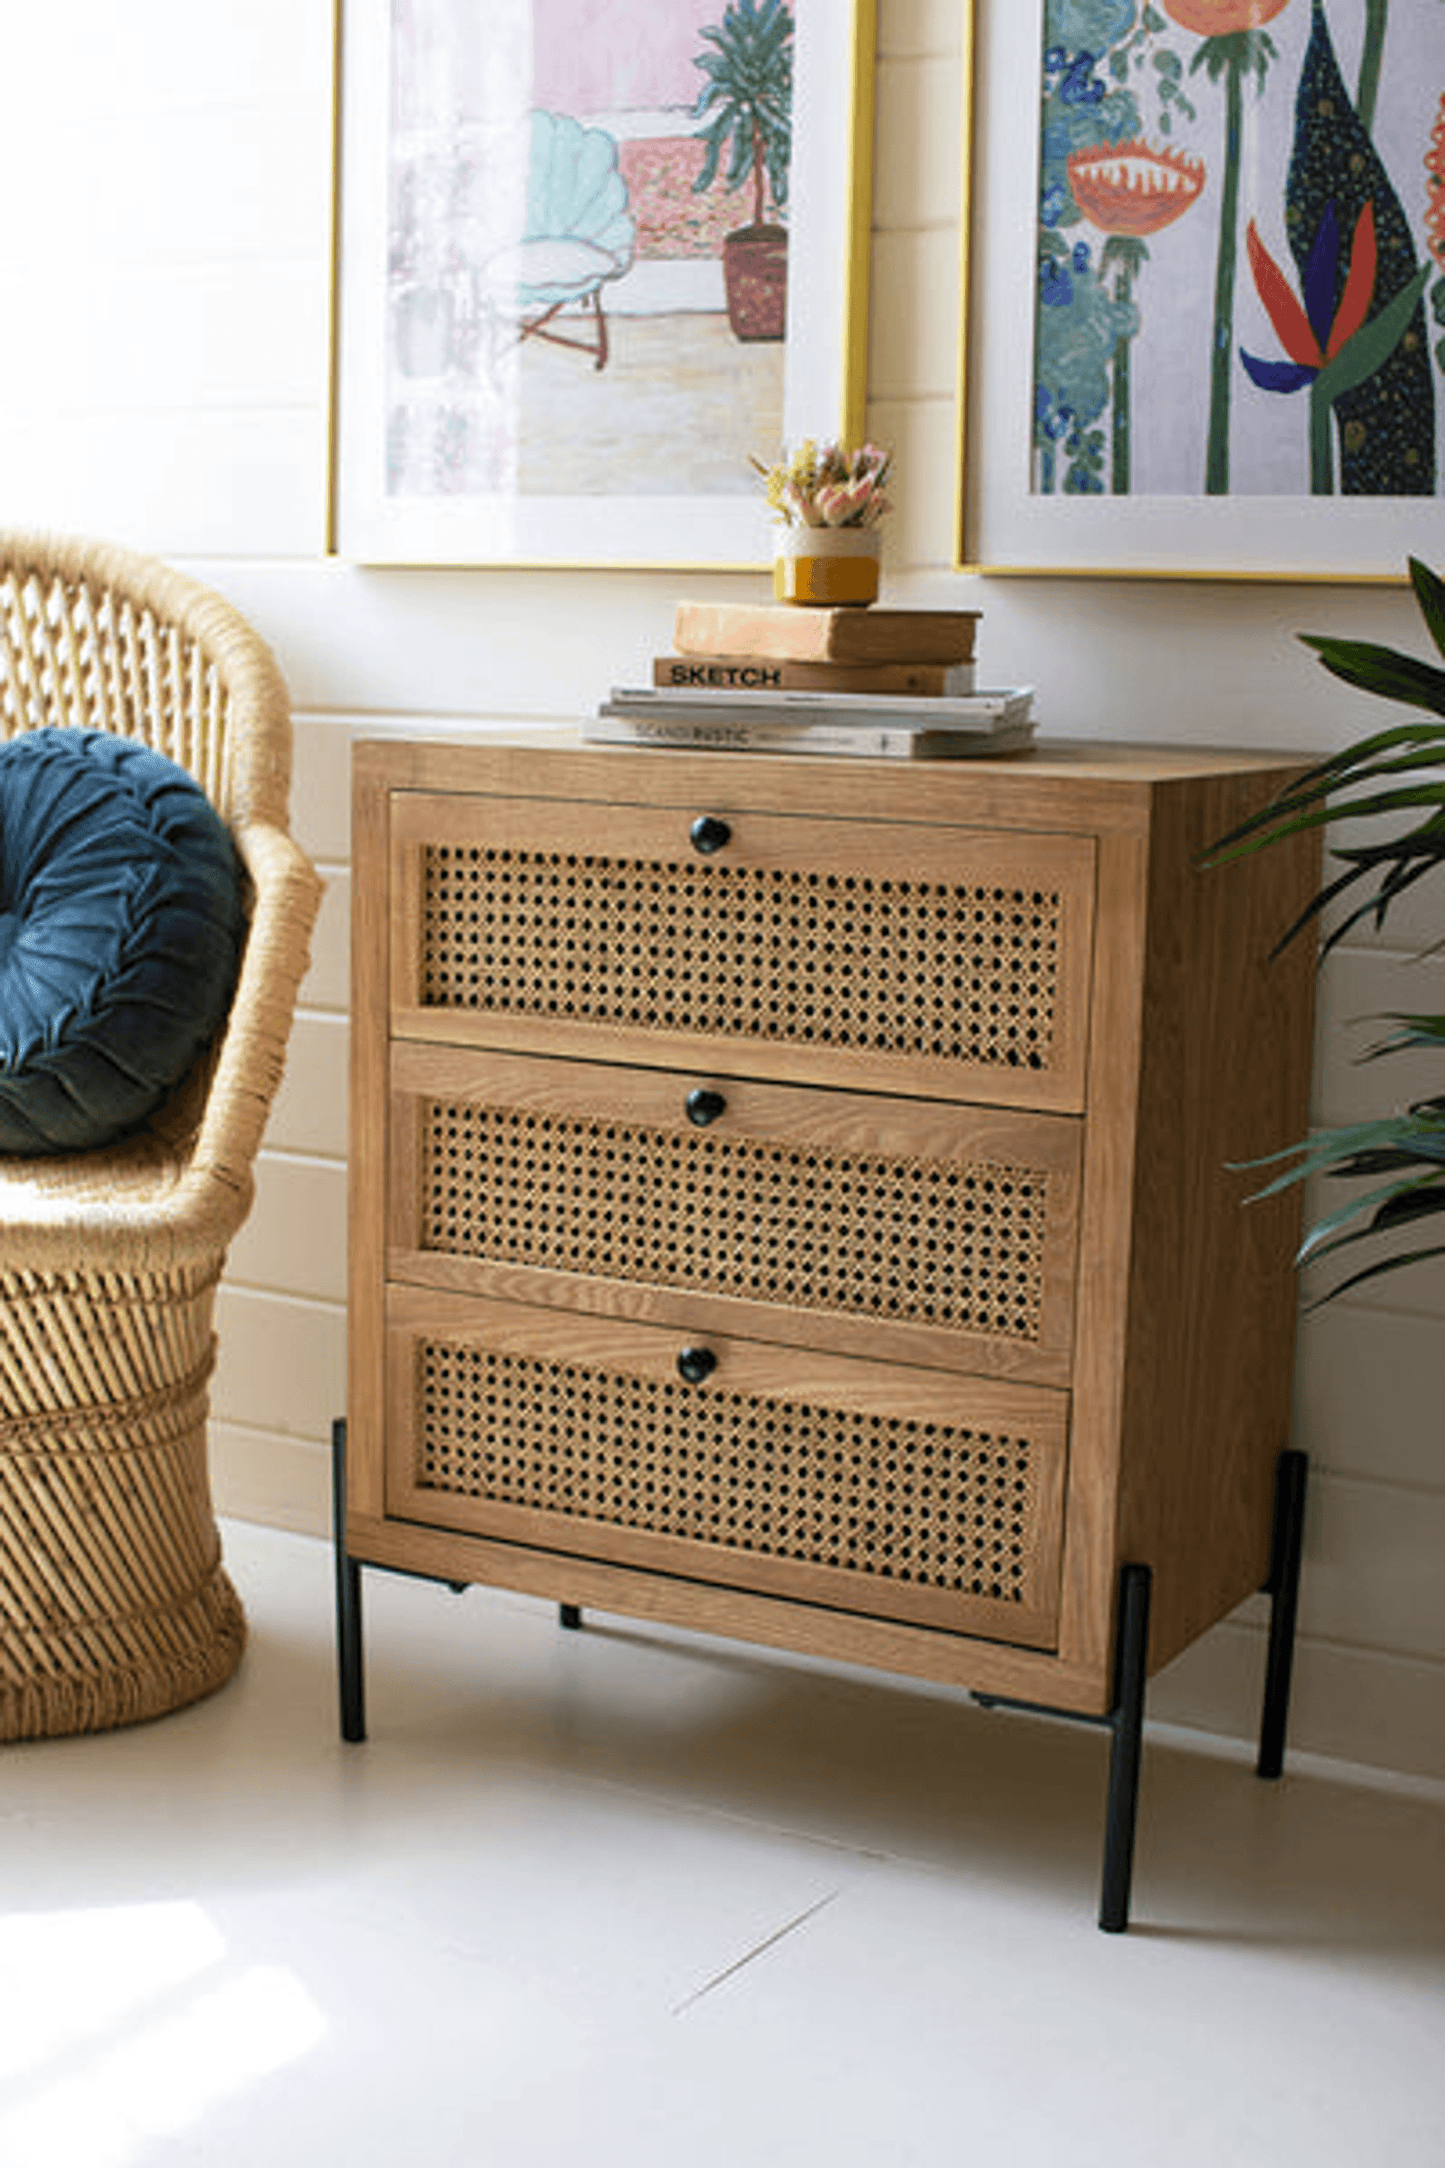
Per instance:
x=828, y=486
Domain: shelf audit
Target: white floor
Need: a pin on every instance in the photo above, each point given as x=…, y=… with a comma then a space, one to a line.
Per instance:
x=624, y=1897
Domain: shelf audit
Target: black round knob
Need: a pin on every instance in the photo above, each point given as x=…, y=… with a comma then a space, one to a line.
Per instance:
x=695, y=1364
x=703, y=1107
x=709, y=834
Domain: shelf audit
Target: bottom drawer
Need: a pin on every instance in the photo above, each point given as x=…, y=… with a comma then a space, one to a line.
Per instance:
x=867, y=1487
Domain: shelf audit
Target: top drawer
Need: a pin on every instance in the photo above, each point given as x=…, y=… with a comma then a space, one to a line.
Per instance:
x=892, y=955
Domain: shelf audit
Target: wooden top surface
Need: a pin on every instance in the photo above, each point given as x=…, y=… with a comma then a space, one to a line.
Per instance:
x=1062, y=783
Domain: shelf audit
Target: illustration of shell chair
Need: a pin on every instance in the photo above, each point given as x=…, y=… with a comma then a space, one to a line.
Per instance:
x=114, y=1603
x=578, y=235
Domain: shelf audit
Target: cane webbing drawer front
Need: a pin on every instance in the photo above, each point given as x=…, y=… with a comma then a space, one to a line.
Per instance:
x=904, y=956
x=948, y=1231
x=905, y=1495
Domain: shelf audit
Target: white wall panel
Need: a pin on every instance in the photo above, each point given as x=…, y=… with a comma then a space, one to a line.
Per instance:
x=327, y=984
x=914, y=315
x=179, y=484
x=1360, y=989
x=918, y=179
x=1372, y=1567
x=179, y=336
x=294, y=1242
x=1369, y=1394
x=263, y=1475
x=321, y=786
x=920, y=530
x=258, y=187
x=281, y=1363
x=89, y=59
x=309, y=1112
x=164, y=380
x=168, y=169
x=543, y=645
x=1350, y=1704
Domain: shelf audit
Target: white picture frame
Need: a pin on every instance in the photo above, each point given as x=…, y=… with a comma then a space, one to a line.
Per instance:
x=514, y=506
x=1006, y=522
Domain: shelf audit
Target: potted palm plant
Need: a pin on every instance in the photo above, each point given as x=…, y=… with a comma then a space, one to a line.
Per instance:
x=746, y=103
x=1396, y=776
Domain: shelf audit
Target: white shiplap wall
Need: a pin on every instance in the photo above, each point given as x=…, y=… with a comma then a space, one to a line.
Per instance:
x=164, y=381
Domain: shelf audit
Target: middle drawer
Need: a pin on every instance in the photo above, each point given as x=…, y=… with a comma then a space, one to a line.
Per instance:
x=944, y=1234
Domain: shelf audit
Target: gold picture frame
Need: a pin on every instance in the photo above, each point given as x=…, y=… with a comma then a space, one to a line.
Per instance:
x=484, y=236
x=1160, y=266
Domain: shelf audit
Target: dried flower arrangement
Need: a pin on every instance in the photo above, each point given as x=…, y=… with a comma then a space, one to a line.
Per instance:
x=828, y=486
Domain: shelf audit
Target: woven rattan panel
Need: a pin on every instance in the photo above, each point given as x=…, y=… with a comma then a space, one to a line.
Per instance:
x=71, y=1341
x=113, y=1602
x=78, y=656
x=933, y=1242
x=921, y=1506
x=885, y=966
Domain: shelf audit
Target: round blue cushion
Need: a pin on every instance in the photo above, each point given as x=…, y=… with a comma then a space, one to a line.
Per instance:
x=121, y=924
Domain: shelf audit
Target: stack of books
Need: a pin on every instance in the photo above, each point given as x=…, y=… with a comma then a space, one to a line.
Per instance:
x=875, y=683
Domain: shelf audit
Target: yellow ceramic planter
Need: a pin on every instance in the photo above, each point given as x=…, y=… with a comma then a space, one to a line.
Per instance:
x=827, y=565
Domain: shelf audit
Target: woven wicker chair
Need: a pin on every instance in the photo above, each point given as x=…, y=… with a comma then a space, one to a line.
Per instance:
x=114, y=1604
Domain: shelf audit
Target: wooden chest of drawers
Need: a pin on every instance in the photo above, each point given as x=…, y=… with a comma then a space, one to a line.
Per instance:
x=801, y=1199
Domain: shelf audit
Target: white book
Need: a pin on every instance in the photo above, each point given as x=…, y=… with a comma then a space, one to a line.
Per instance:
x=980, y=713
x=858, y=741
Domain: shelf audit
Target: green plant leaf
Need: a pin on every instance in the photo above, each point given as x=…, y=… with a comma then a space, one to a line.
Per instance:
x=1242, y=843
x=1364, y=751
x=1420, y=841
x=1425, y=1201
x=1317, y=1242
x=1375, y=1272
x=1361, y=1166
x=1409, y=1209
x=1381, y=670
x=1393, y=885
x=1392, y=772
x=1347, y=1152
x=1413, y=1031
x=1341, y=771
x=1430, y=594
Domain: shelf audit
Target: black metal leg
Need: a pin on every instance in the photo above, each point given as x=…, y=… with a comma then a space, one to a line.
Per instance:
x=348, y=1599
x=1283, y=1590
x=570, y=1615
x=1127, y=1723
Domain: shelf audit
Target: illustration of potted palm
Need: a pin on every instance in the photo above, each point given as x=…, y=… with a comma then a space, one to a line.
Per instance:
x=747, y=99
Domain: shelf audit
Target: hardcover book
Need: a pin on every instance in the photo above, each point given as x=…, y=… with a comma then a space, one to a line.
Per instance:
x=786, y=632
x=763, y=673
x=703, y=733
x=866, y=726
x=979, y=713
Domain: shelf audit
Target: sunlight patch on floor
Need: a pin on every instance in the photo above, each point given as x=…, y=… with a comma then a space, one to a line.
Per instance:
x=124, y=2024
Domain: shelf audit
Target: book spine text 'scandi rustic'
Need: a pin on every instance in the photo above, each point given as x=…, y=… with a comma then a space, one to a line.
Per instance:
x=853, y=741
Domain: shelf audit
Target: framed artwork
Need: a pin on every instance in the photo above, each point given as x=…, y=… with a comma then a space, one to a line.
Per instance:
x=593, y=255
x=1204, y=297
